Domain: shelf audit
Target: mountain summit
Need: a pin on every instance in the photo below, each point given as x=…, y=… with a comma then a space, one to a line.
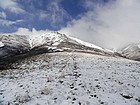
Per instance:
x=15, y=47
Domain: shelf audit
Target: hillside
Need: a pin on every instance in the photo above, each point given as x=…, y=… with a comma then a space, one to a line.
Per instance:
x=16, y=47
x=70, y=78
x=131, y=51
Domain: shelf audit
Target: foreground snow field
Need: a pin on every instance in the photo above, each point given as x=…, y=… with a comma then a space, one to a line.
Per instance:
x=71, y=79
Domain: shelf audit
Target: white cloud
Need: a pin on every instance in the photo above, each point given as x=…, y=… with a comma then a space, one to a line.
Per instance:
x=3, y=15
x=4, y=22
x=11, y=5
x=113, y=25
x=33, y=32
x=43, y=15
x=55, y=14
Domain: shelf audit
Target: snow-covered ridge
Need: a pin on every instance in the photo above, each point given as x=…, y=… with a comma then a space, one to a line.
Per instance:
x=16, y=41
x=15, y=47
x=50, y=38
x=1, y=44
x=11, y=45
x=131, y=51
x=54, y=39
x=85, y=43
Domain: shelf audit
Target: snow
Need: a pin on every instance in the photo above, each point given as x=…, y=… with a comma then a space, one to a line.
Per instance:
x=139, y=46
x=71, y=79
x=132, y=52
x=85, y=43
x=55, y=38
x=1, y=44
x=50, y=38
x=15, y=41
x=55, y=49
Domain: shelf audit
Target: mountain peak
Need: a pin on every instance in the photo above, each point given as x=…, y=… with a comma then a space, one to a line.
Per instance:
x=51, y=38
x=55, y=38
x=14, y=47
x=131, y=51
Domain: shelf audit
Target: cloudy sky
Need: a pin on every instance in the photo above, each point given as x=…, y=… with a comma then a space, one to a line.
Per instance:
x=107, y=23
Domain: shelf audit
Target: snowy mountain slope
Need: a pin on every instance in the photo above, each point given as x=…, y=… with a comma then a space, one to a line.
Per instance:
x=14, y=47
x=131, y=52
x=15, y=41
x=62, y=41
x=11, y=45
x=1, y=44
x=70, y=78
x=55, y=38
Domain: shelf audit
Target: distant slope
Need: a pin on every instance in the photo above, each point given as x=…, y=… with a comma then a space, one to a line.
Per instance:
x=11, y=45
x=131, y=52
